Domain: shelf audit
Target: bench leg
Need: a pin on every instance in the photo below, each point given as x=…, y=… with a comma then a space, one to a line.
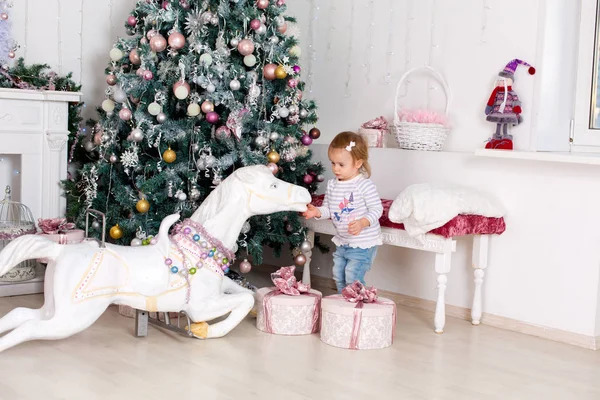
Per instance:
x=442, y=267
x=141, y=323
x=310, y=236
x=479, y=263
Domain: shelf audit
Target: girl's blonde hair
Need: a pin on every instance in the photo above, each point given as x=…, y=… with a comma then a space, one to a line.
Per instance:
x=359, y=152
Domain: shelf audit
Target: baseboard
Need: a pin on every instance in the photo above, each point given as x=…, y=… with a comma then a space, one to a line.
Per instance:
x=509, y=324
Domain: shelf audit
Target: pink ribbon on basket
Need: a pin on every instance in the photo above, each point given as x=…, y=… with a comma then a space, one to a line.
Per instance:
x=359, y=294
x=53, y=226
x=287, y=284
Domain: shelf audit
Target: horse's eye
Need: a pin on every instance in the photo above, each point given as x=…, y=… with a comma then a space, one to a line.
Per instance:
x=273, y=185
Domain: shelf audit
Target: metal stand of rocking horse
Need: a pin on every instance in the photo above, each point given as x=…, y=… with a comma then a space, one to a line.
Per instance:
x=142, y=317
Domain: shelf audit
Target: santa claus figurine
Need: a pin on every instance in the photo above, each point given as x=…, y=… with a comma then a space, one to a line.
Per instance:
x=504, y=106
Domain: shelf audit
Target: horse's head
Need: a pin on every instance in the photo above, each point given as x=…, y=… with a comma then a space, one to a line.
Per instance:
x=268, y=194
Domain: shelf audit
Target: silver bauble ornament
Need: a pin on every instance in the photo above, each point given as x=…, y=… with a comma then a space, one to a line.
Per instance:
x=274, y=39
x=261, y=141
x=303, y=113
x=194, y=194
x=234, y=42
x=196, y=147
x=182, y=196
x=211, y=88
x=113, y=158
x=261, y=30
x=120, y=96
x=161, y=118
x=245, y=266
x=320, y=178
x=305, y=247
x=96, y=225
x=201, y=164
x=234, y=85
x=254, y=91
x=293, y=109
x=283, y=112
x=274, y=136
x=211, y=161
x=136, y=242
x=137, y=135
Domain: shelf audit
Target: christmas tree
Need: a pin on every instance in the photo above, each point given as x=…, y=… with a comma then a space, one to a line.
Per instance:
x=8, y=46
x=198, y=89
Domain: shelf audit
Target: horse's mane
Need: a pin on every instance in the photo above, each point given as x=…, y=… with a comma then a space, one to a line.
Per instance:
x=216, y=200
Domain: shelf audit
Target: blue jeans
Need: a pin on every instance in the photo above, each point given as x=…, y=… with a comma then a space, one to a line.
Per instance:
x=351, y=264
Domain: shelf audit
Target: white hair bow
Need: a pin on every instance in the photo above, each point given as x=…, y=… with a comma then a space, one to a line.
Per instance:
x=350, y=146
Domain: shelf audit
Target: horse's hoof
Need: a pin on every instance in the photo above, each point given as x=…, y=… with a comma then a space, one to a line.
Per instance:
x=199, y=329
x=253, y=313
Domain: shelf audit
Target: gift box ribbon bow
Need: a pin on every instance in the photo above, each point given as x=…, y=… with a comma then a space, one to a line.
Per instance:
x=376, y=123
x=286, y=282
x=55, y=225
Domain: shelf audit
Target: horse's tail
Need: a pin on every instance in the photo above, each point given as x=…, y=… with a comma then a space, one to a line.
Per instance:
x=27, y=247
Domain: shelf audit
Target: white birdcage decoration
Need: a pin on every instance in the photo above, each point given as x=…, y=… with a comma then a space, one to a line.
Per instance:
x=16, y=220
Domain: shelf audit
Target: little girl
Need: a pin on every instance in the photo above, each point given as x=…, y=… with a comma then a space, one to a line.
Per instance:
x=352, y=202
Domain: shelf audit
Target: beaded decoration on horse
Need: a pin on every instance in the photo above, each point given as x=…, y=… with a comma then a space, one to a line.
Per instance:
x=197, y=249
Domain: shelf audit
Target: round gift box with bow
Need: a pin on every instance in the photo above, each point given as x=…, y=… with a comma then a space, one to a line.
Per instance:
x=283, y=314
x=357, y=319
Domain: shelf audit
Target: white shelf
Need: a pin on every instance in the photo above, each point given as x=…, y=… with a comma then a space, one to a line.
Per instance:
x=32, y=286
x=561, y=157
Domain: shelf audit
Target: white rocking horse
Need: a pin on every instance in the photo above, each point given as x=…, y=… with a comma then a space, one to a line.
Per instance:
x=181, y=272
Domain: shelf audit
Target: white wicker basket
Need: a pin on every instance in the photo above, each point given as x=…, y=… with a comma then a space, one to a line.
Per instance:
x=420, y=136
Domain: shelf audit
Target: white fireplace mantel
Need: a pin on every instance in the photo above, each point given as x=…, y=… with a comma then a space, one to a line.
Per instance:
x=33, y=124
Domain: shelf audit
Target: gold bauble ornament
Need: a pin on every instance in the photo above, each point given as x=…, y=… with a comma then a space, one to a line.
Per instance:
x=169, y=156
x=116, y=232
x=142, y=206
x=280, y=72
x=273, y=156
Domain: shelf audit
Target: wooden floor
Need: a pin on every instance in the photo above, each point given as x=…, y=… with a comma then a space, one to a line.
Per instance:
x=108, y=362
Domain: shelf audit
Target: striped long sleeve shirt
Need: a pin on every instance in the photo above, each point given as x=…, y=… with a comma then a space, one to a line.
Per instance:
x=347, y=201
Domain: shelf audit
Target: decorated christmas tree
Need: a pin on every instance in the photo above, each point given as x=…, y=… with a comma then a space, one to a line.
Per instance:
x=198, y=89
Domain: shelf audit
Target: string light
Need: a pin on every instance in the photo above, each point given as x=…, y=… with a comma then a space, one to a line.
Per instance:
x=59, y=32
x=432, y=45
x=26, y=29
x=110, y=18
x=407, y=54
x=350, y=52
x=81, y=41
x=312, y=30
x=484, y=17
x=369, y=48
x=390, y=44
x=331, y=25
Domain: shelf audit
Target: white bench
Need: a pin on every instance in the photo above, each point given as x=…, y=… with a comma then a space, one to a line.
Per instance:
x=443, y=249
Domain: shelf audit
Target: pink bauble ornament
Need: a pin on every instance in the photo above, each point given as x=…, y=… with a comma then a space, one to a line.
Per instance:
x=300, y=260
x=262, y=4
x=222, y=132
x=143, y=41
x=299, y=94
x=4, y=16
x=255, y=24
x=296, y=69
x=176, y=40
x=184, y=4
x=11, y=54
x=98, y=138
x=207, y=107
x=125, y=114
x=140, y=72
x=158, y=43
x=293, y=83
x=151, y=33
x=283, y=28
x=306, y=140
x=273, y=167
x=181, y=89
x=148, y=75
x=131, y=21
x=280, y=2
x=134, y=57
x=245, y=266
x=308, y=179
x=212, y=117
x=165, y=3
x=111, y=79
x=246, y=47
x=269, y=71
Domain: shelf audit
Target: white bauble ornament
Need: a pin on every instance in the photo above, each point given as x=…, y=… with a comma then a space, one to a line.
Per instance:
x=136, y=242
x=274, y=136
x=193, y=109
x=154, y=108
x=234, y=85
x=182, y=196
x=108, y=105
x=283, y=112
x=250, y=60
x=295, y=51
x=206, y=59
x=115, y=54
x=137, y=135
x=120, y=96
x=211, y=88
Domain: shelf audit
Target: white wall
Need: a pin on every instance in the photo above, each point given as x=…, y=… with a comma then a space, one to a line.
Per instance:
x=544, y=269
